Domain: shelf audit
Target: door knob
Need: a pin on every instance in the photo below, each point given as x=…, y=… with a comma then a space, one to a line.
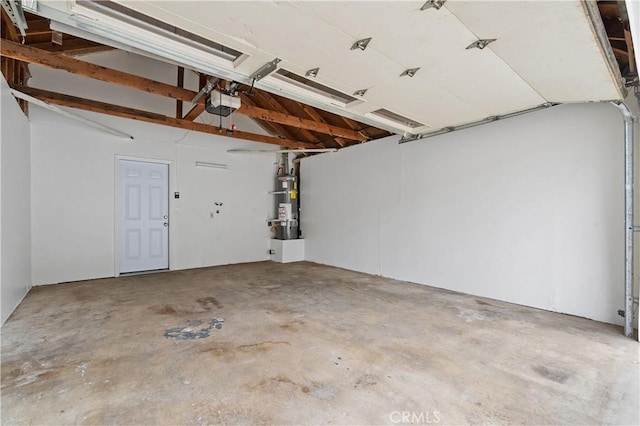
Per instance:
x=165, y=217
x=166, y=224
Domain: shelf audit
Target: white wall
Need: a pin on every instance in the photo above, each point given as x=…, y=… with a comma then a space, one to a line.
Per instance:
x=73, y=180
x=15, y=227
x=73, y=199
x=527, y=210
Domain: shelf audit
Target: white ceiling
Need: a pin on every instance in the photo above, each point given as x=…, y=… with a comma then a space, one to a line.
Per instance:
x=546, y=51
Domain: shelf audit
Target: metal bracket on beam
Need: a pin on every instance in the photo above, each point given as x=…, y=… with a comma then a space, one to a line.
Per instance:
x=410, y=72
x=15, y=13
x=435, y=4
x=409, y=137
x=481, y=44
x=313, y=72
x=265, y=70
x=361, y=44
x=211, y=83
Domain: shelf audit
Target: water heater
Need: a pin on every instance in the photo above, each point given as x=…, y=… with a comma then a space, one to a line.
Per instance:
x=287, y=206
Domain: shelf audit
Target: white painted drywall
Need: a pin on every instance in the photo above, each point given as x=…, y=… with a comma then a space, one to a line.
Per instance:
x=15, y=226
x=74, y=199
x=286, y=251
x=527, y=210
x=73, y=180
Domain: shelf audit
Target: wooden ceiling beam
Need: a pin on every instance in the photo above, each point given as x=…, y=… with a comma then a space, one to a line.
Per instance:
x=609, y=9
x=57, y=61
x=307, y=134
x=271, y=100
x=74, y=66
x=352, y=124
x=197, y=109
x=194, y=112
x=271, y=128
x=14, y=71
x=355, y=126
x=180, y=85
x=311, y=112
x=278, y=129
x=277, y=106
x=620, y=52
x=37, y=27
x=72, y=47
x=150, y=117
x=630, y=51
x=289, y=120
x=11, y=31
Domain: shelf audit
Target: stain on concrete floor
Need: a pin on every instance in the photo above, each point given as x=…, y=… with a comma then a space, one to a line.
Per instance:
x=193, y=329
x=304, y=344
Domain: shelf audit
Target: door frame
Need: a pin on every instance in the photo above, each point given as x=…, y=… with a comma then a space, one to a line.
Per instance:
x=116, y=204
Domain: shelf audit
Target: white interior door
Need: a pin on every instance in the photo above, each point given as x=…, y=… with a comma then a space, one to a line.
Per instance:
x=144, y=216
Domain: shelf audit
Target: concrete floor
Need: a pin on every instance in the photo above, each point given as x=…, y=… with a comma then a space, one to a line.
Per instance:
x=304, y=343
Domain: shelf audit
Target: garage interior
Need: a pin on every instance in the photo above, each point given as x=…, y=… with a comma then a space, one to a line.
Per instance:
x=319, y=212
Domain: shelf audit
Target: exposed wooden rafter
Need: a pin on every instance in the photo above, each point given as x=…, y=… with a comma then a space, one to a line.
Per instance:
x=277, y=117
x=150, y=117
x=180, y=85
x=197, y=109
x=72, y=47
x=609, y=9
x=75, y=66
x=57, y=61
x=315, y=115
x=14, y=71
x=272, y=128
x=11, y=33
x=277, y=106
x=616, y=23
x=194, y=112
x=38, y=27
x=630, y=51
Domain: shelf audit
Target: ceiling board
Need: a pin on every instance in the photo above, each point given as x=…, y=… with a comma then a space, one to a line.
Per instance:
x=545, y=51
x=430, y=104
x=550, y=44
x=435, y=41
